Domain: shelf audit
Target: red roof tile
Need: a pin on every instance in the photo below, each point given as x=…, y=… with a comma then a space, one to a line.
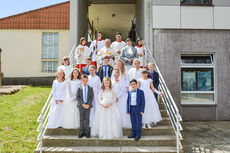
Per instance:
x=51, y=17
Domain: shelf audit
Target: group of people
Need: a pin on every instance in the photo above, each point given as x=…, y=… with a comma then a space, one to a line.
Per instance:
x=108, y=90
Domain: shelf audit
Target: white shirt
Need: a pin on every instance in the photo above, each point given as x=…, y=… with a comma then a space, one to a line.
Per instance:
x=133, y=98
x=59, y=90
x=100, y=45
x=135, y=74
x=84, y=51
x=118, y=46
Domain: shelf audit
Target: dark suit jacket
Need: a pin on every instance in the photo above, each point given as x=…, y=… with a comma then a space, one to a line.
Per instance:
x=155, y=79
x=80, y=97
x=85, y=70
x=100, y=72
x=140, y=101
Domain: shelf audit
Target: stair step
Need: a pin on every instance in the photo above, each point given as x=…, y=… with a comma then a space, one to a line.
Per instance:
x=63, y=140
x=164, y=113
x=161, y=106
x=157, y=130
x=125, y=149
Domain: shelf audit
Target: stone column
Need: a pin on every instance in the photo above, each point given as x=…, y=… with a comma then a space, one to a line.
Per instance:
x=78, y=20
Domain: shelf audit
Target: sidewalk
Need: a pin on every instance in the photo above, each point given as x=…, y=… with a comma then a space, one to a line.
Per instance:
x=206, y=137
x=5, y=90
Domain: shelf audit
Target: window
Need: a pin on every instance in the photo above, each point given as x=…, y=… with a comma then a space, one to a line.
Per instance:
x=197, y=79
x=50, y=51
x=196, y=2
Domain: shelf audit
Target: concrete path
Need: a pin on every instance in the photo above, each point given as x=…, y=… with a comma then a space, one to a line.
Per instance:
x=206, y=137
x=5, y=90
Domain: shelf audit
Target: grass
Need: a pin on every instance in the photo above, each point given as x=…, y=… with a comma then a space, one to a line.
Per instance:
x=18, y=119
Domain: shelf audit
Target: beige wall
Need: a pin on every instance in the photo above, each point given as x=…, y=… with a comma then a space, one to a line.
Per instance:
x=21, y=56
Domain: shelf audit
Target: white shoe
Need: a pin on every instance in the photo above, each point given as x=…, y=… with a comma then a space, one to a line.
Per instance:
x=148, y=126
x=143, y=125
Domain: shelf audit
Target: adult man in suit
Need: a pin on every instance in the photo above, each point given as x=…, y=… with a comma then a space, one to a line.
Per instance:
x=105, y=70
x=85, y=99
x=85, y=69
x=129, y=53
x=154, y=76
x=135, y=107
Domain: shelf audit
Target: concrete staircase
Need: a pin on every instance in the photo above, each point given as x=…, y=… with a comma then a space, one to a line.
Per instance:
x=159, y=139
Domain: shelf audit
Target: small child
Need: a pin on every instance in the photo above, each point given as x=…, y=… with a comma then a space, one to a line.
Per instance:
x=85, y=69
x=152, y=112
x=85, y=100
x=107, y=124
x=154, y=76
x=135, y=107
x=66, y=67
x=135, y=72
x=141, y=52
x=105, y=70
x=81, y=53
x=95, y=83
x=59, y=89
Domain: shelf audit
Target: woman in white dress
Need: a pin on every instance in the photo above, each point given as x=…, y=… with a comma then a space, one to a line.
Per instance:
x=152, y=112
x=95, y=83
x=107, y=123
x=70, y=112
x=59, y=89
x=121, y=94
x=66, y=67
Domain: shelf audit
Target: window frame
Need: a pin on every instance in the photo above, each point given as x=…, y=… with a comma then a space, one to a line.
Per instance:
x=196, y=3
x=49, y=59
x=193, y=65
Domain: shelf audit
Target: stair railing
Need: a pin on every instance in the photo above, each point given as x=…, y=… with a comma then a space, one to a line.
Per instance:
x=44, y=115
x=169, y=103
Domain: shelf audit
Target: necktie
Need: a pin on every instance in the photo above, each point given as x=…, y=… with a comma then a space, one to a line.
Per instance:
x=85, y=96
x=106, y=70
x=151, y=74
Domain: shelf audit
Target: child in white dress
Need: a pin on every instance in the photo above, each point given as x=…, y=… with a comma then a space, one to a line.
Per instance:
x=66, y=67
x=121, y=95
x=59, y=89
x=135, y=72
x=70, y=113
x=107, y=123
x=141, y=50
x=152, y=112
x=95, y=83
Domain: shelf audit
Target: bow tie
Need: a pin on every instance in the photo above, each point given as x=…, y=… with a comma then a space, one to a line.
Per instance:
x=134, y=91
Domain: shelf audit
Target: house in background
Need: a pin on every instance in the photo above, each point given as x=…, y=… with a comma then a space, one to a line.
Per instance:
x=34, y=43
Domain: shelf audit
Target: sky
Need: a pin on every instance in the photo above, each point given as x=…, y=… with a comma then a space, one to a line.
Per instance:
x=12, y=7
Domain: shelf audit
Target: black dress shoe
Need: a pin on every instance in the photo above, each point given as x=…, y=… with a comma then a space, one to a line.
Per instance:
x=87, y=135
x=80, y=135
x=137, y=138
x=131, y=136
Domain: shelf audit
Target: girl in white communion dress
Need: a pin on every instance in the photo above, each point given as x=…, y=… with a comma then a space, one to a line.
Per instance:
x=107, y=123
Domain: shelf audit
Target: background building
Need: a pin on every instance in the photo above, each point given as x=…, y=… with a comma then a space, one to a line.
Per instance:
x=189, y=40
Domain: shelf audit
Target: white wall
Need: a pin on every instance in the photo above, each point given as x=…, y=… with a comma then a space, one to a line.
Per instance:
x=191, y=17
x=22, y=49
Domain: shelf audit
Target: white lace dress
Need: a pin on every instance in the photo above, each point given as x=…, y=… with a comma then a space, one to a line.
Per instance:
x=107, y=123
x=152, y=112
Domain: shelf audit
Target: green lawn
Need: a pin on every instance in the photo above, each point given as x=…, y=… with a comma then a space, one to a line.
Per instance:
x=18, y=115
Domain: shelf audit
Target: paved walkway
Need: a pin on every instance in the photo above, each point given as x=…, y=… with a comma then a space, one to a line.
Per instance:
x=206, y=137
x=5, y=90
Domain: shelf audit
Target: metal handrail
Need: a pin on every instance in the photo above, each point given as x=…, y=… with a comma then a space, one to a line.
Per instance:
x=43, y=117
x=169, y=102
